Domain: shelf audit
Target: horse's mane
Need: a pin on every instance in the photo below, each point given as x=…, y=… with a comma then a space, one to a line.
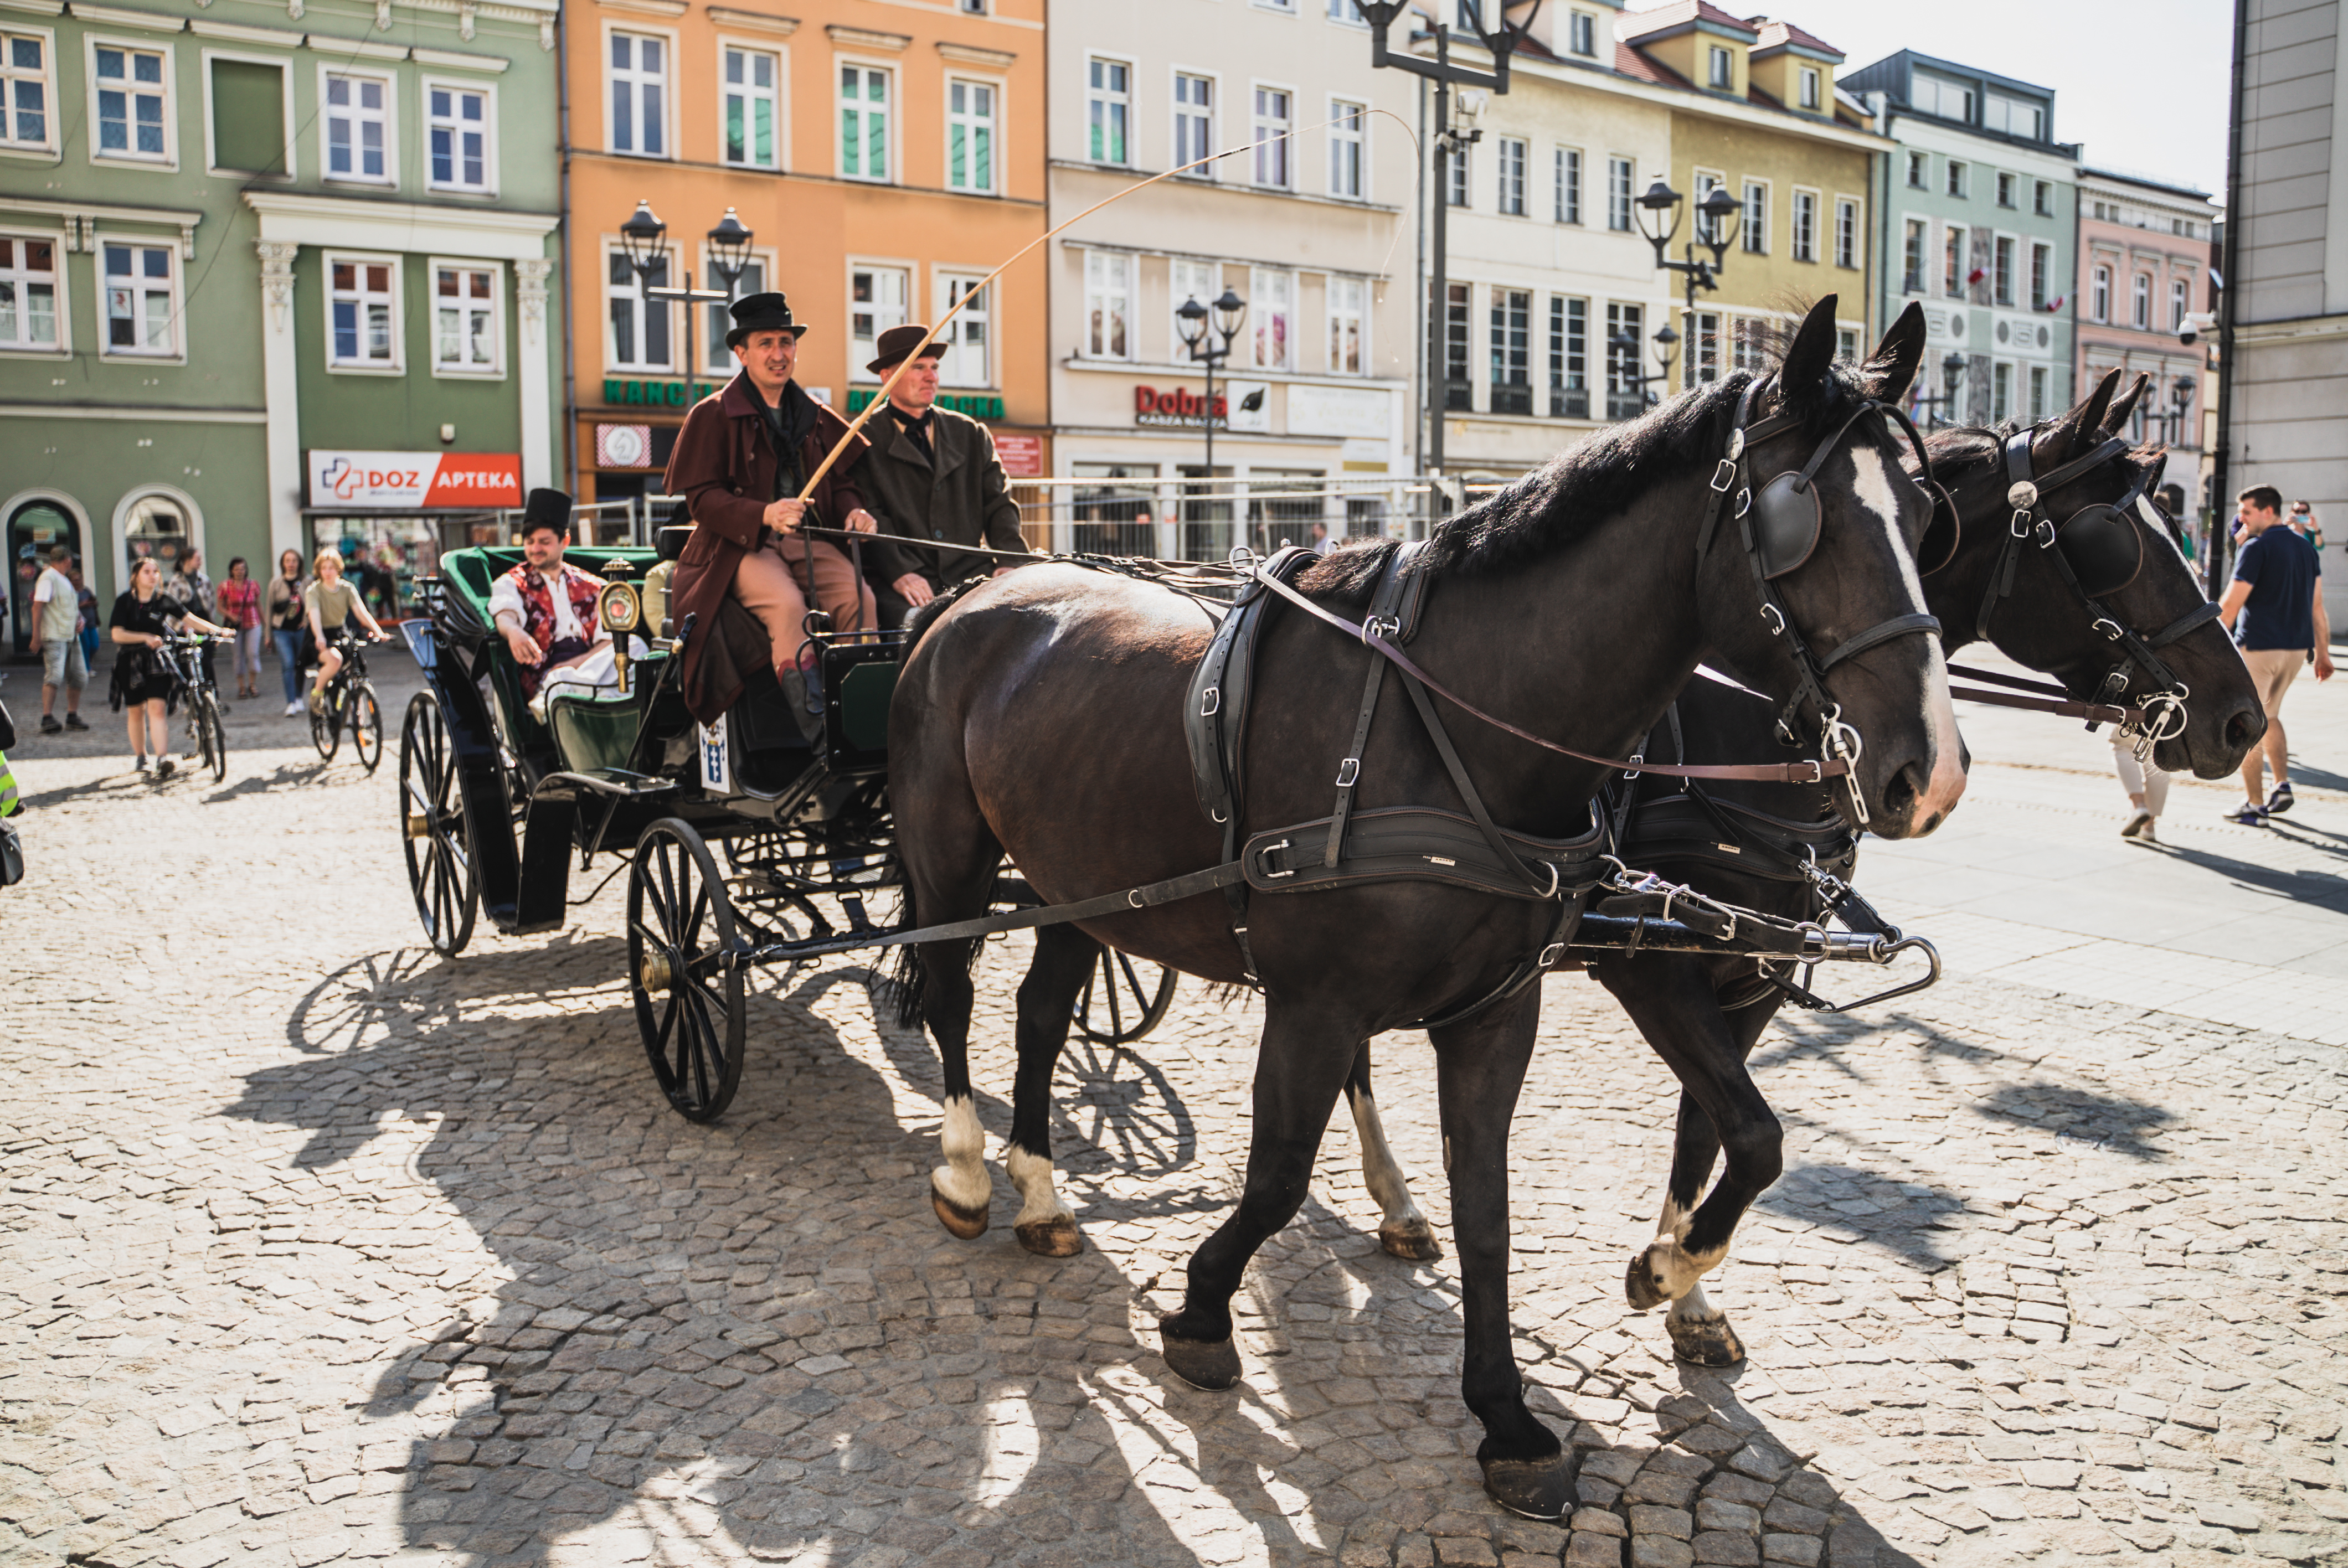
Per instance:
x=1580, y=489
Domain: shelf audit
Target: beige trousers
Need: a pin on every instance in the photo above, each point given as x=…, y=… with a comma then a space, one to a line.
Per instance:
x=769, y=582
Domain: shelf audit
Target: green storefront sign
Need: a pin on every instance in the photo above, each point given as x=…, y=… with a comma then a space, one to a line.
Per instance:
x=654, y=393
x=976, y=405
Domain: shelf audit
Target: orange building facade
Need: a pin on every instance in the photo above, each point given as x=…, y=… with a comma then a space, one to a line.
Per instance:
x=886, y=157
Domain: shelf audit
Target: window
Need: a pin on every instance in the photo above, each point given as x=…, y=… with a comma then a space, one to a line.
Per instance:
x=1956, y=178
x=140, y=312
x=1952, y=263
x=639, y=73
x=1846, y=232
x=1272, y=320
x=969, y=135
x=1194, y=122
x=362, y=313
x=456, y=133
x=2001, y=270
x=1749, y=344
x=1512, y=177
x=1928, y=94
x=1806, y=226
x=1512, y=351
x=1569, y=185
x=1456, y=391
x=2042, y=272
x=863, y=122
x=1273, y=119
x=2140, y=302
x=1705, y=184
x=466, y=339
x=1919, y=166
x=1188, y=280
x=2099, y=294
x=1109, y=100
x=2008, y=189
x=717, y=358
x=2180, y=302
x=2014, y=116
x=24, y=90
x=1348, y=312
x=1912, y=258
x=1846, y=346
x=28, y=293
x=357, y=124
x=248, y=108
x=640, y=327
x=1625, y=393
x=1952, y=390
x=1108, y=304
x=752, y=102
x=1582, y=34
x=876, y=302
x=1810, y=88
x=2038, y=393
x=967, y=337
x=131, y=112
x=1569, y=358
x=1618, y=195
x=2042, y=198
x=2000, y=392
x=1344, y=11
x=1346, y=149
x=1455, y=182
x=1755, y=237
x=1704, y=346
x=1721, y=71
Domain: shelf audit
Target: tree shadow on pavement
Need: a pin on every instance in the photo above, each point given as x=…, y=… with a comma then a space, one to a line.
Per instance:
x=2081, y=1115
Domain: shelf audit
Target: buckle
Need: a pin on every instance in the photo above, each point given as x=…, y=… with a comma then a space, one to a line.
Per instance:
x=1549, y=955
x=2111, y=628
x=2046, y=534
x=1379, y=626
x=1743, y=502
x=1348, y=771
x=1725, y=476
x=1633, y=772
x=1263, y=861
x=2021, y=524
x=1211, y=702
x=1817, y=770
x=1776, y=618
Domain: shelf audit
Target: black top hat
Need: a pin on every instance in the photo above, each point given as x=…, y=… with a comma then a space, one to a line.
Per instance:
x=546, y=509
x=761, y=313
x=898, y=341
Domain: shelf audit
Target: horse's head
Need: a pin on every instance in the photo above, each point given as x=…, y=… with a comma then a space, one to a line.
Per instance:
x=2102, y=597
x=1809, y=581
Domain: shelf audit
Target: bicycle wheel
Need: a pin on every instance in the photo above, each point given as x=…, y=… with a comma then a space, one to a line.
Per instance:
x=687, y=990
x=326, y=725
x=433, y=831
x=367, y=726
x=1124, y=1000
x=212, y=738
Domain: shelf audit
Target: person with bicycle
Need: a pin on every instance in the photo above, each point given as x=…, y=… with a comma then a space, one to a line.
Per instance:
x=328, y=605
x=146, y=686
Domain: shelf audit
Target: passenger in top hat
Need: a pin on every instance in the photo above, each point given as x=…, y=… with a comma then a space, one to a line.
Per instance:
x=741, y=460
x=932, y=476
x=545, y=607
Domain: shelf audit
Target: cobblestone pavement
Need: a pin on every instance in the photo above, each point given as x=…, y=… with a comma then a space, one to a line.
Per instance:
x=321, y=1249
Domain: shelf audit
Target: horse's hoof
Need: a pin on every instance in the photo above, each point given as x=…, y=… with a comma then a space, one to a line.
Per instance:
x=1532, y=1488
x=1706, y=1341
x=1212, y=1365
x=1644, y=1283
x=1054, y=1237
x=967, y=1223
x=1413, y=1241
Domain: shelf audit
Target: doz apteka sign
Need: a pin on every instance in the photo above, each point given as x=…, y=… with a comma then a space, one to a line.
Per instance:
x=415, y=478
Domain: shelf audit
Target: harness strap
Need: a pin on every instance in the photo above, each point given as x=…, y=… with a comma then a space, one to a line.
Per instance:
x=1898, y=626
x=1384, y=608
x=1148, y=896
x=1467, y=788
x=2192, y=621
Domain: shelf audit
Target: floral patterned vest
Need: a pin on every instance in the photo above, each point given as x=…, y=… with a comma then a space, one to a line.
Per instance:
x=538, y=621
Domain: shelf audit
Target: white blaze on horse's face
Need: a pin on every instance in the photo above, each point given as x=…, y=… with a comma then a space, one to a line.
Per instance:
x=1873, y=492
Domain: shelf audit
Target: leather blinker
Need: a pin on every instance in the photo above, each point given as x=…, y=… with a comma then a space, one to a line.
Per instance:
x=1786, y=522
x=2103, y=549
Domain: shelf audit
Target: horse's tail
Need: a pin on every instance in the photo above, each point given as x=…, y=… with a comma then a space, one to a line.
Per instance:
x=906, y=983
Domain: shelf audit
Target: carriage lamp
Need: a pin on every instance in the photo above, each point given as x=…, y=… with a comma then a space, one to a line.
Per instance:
x=645, y=238
x=729, y=248
x=617, y=607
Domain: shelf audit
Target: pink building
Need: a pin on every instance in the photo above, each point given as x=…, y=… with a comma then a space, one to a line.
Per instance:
x=2144, y=269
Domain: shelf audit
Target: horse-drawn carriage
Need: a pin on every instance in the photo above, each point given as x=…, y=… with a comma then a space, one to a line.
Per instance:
x=497, y=799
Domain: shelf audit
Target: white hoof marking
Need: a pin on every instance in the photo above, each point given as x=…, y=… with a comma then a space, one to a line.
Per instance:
x=963, y=1177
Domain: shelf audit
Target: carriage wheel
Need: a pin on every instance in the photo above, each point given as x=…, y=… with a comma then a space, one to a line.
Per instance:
x=687, y=988
x=433, y=830
x=367, y=726
x=1124, y=998
x=212, y=741
x=326, y=727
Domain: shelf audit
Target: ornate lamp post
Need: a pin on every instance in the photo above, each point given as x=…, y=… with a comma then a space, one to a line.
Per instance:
x=1717, y=216
x=645, y=240
x=1952, y=368
x=1666, y=343
x=1191, y=321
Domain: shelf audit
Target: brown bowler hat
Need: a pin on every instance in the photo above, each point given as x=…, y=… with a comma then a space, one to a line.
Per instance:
x=898, y=341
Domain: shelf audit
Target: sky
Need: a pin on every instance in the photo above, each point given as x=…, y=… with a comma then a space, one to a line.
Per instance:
x=2142, y=84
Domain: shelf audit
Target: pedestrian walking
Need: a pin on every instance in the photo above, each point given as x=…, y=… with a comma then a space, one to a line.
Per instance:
x=2147, y=786
x=2274, y=607
x=288, y=622
x=144, y=686
x=239, y=611
x=56, y=614
x=2304, y=524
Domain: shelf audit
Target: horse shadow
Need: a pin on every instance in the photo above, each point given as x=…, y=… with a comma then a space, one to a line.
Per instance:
x=283, y=777
x=2100, y=1121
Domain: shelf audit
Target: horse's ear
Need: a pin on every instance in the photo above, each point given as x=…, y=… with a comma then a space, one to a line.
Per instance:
x=1891, y=369
x=1811, y=356
x=2069, y=432
x=2124, y=405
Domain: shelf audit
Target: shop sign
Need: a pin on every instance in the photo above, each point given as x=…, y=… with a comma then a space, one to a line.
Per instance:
x=415, y=478
x=1022, y=456
x=1360, y=412
x=978, y=406
x=623, y=445
x=1177, y=407
x=663, y=394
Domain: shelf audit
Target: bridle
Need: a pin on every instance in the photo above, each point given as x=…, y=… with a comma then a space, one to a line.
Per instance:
x=1780, y=526
x=2096, y=551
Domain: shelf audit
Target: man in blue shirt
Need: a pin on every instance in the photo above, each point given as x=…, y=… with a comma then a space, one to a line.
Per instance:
x=2275, y=609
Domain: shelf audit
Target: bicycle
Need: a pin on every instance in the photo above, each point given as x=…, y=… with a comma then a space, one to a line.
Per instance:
x=349, y=702
x=207, y=737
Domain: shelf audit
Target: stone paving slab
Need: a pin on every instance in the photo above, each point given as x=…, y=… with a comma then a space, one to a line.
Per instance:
x=320, y=1249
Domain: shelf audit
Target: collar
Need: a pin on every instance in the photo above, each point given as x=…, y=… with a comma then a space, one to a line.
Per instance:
x=924, y=420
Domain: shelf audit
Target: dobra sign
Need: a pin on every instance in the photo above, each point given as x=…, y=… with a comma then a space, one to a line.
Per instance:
x=1177, y=406
x=415, y=478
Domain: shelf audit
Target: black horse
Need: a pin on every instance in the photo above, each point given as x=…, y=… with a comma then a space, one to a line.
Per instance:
x=1036, y=715
x=1702, y=1016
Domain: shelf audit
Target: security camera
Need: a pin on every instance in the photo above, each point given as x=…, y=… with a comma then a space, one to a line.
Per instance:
x=2193, y=326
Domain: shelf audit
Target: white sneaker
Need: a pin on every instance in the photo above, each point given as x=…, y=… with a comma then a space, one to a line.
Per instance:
x=292, y=710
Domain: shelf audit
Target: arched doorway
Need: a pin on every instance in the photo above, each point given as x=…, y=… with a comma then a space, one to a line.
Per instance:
x=33, y=527
x=157, y=525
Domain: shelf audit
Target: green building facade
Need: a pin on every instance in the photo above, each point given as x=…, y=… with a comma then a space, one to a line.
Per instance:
x=273, y=274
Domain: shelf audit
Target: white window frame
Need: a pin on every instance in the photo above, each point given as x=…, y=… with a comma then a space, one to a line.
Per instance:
x=667, y=38
x=1920, y=170
x=1349, y=129
x=59, y=275
x=1622, y=203
x=47, y=147
x=641, y=368
x=2042, y=274
x=327, y=261
x=2042, y=379
x=1280, y=143
x=1795, y=249
x=1852, y=255
x=1704, y=331
x=496, y=369
x=390, y=178
x=1753, y=238
x=1720, y=68
x=719, y=359
x=1264, y=284
x=2181, y=302
x=1952, y=284
x=2016, y=282
x=170, y=157
x=883, y=312
x=2099, y=293
x=1582, y=35
x=1188, y=278
x=488, y=93
x=1345, y=317
x=892, y=125
x=2139, y=299
x=1459, y=177
x=2000, y=391
x=1916, y=236
x=173, y=292
x=1510, y=155
x=1343, y=11
x=953, y=366
x=2006, y=189
x=1567, y=166
x=779, y=95
x=1705, y=181
x=1812, y=99
x=289, y=137
x=1101, y=103
x=1186, y=149
x=1108, y=275
x=1957, y=180
x=996, y=88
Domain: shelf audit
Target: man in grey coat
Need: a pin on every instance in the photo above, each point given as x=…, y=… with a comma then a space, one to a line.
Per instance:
x=931, y=475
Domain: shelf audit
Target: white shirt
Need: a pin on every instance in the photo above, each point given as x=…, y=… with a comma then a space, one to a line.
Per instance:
x=54, y=585
x=506, y=594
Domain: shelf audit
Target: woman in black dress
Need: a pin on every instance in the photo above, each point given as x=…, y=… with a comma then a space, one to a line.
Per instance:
x=144, y=686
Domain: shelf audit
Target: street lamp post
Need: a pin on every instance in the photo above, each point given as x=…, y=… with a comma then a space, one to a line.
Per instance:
x=645, y=238
x=1191, y=320
x=1717, y=216
x=1666, y=340
x=1952, y=368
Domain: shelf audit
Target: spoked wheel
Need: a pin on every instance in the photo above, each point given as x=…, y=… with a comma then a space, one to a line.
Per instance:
x=367, y=726
x=212, y=740
x=687, y=989
x=1124, y=998
x=326, y=726
x=433, y=831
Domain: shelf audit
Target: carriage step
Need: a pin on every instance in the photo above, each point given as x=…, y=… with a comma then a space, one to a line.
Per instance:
x=608, y=782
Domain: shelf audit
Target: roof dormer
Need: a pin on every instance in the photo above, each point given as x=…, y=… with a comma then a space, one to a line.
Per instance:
x=1580, y=31
x=1704, y=44
x=1794, y=69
